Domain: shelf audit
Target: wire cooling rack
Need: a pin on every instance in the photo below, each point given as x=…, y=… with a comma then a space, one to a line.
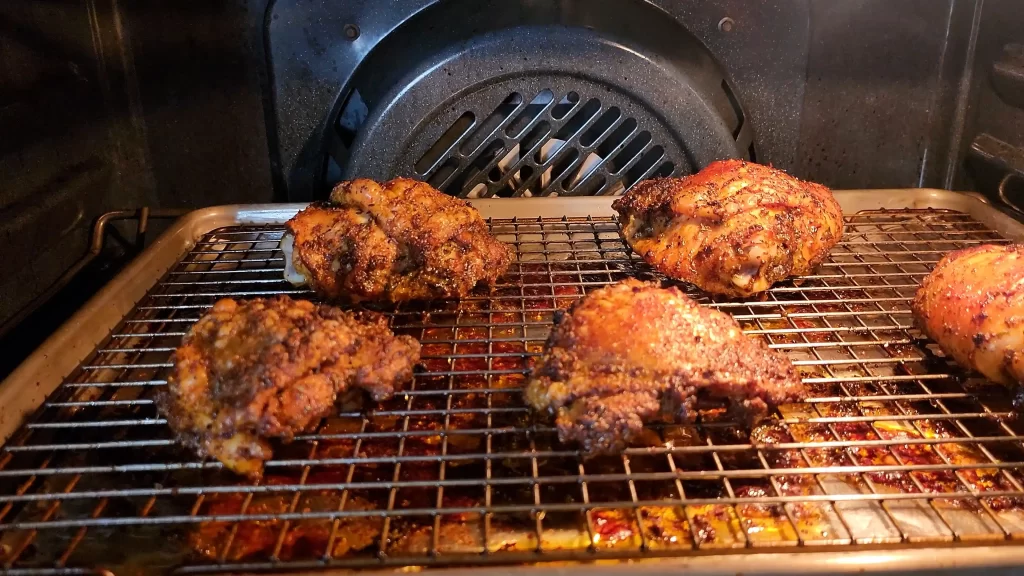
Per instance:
x=897, y=447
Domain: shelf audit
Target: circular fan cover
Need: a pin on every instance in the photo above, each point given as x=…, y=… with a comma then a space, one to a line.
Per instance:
x=531, y=107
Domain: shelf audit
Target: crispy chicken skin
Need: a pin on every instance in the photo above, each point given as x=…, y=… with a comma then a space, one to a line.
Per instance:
x=634, y=352
x=735, y=228
x=397, y=241
x=258, y=369
x=972, y=305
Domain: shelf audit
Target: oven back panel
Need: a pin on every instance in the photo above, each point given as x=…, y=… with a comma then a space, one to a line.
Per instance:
x=854, y=94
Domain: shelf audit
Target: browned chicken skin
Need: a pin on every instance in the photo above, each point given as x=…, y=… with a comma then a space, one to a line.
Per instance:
x=972, y=305
x=735, y=228
x=259, y=369
x=633, y=352
x=401, y=240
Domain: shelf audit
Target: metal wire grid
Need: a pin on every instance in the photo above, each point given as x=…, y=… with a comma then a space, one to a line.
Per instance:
x=897, y=447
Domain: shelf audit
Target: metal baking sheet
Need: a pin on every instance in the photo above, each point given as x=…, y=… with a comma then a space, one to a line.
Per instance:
x=846, y=505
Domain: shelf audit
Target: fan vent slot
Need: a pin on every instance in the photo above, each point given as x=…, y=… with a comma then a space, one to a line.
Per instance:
x=550, y=145
x=736, y=108
x=594, y=133
x=644, y=168
x=535, y=108
x=453, y=134
x=630, y=153
x=495, y=119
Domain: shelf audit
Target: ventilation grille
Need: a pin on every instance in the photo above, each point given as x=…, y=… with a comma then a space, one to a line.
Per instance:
x=553, y=145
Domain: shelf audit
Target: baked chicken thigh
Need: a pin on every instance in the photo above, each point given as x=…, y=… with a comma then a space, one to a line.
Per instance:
x=401, y=240
x=735, y=228
x=972, y=305
x=259, y=369
x=634, y=352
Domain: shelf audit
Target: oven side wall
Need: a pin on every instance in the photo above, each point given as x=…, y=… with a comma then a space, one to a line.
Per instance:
x=116, y=104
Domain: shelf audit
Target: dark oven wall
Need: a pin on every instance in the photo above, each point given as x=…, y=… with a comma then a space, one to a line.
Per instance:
x=112, y=104
x=992, y=128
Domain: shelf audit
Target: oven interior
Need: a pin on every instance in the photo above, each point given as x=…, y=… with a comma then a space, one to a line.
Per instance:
x=153, y=109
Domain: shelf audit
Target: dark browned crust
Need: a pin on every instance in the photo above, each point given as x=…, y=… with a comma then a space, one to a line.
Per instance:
x=734, y=219
x=972, y=306
x=272, y=368
x=397, y=241
x=634, y=352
